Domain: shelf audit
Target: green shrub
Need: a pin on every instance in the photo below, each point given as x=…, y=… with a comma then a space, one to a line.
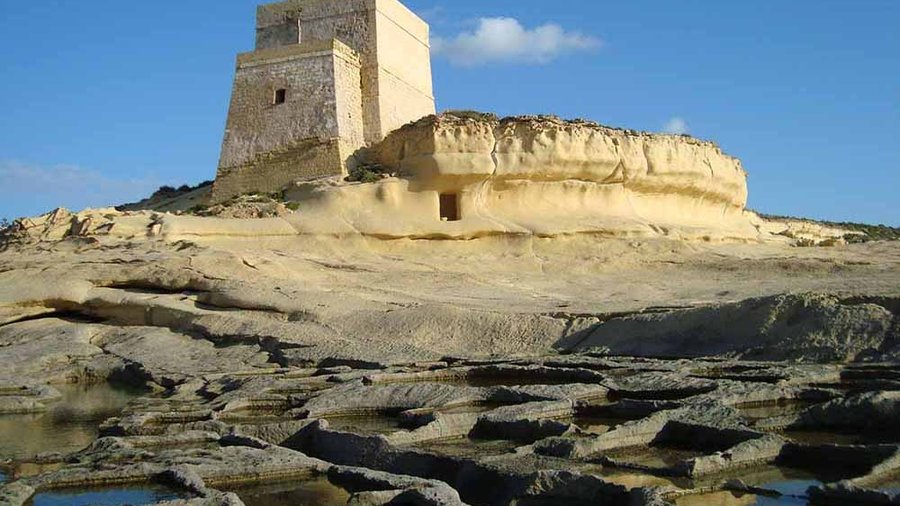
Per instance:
x=164, y=190
x=870, y=232
x=167, y=191
x=866, y=232
x=474, y=115
x=368, y=173
x=857, y=238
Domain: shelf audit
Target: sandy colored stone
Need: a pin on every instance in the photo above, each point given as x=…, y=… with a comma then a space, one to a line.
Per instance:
x=320, y=300
x=326, y=78
x=821, y=327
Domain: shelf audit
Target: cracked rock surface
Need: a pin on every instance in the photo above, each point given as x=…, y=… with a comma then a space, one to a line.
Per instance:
x=565, y=371
x=438, y=433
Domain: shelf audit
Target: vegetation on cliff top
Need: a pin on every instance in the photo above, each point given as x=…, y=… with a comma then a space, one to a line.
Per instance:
x=369, y=173
x=489, y=117
x=870, y=232
x=170, y=191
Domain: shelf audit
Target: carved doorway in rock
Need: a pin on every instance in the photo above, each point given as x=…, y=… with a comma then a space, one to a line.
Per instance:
x=449, y=207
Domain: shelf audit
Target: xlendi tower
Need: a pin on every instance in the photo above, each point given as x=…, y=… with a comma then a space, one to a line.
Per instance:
x=326, y=78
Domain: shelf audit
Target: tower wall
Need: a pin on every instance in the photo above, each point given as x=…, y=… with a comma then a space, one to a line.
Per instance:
x=393, y=44
x=268, y=145
x=387, y=84
x=403, y=57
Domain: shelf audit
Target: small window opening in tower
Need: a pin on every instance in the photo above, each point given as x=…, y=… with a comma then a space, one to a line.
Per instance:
x=280, y=96
x=449, y=207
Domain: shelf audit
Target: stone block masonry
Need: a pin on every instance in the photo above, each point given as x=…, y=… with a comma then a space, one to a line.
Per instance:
x=311, y=134
x=327, y=77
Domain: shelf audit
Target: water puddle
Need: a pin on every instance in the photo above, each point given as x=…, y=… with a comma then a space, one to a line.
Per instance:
x=631, y=479
x=596, y=424
x=816, y=438
x=772, y=418
x=132, y=496
x=469, y=448
x=652, y=456
x=793, y=491
x=757, y=413
x=791, y=483
x=512, y=380
x=375, y=423
x=68, y=425
x=315, y=492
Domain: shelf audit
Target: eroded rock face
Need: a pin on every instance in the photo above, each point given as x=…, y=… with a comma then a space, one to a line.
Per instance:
x=440, y=149
x=63, y=224
x=430, y=358
x=811, y=326
x=536, y=175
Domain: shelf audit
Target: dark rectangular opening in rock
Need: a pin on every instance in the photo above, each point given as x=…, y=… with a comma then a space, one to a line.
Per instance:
x=449, y=207
x=280, y=96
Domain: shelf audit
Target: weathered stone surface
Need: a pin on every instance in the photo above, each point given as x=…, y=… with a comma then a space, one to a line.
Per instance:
x=361, y=399
x=226, y=290
x=46, y=350
x=754, y=452
x=159, y=438
x=536, y=176
x=529, y=421
x=871, y=411
x=431, y=345
x=15, y=494
x=821, y=327
x=213, y=499
x=548, y=149
x=153, y=347
x=661, y=386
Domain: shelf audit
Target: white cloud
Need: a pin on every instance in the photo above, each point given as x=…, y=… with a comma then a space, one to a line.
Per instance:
x=27, y=189
x=676, y=126
x=506, y=40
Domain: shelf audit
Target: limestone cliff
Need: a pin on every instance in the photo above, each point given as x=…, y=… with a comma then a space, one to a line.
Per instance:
x=523, y=176
x=547, y=149
x=536, y=176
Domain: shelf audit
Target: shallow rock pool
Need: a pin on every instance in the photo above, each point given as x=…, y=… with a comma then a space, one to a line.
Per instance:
x=314, y=492
x=792, y=484
x=138, y=495
x=68, y=425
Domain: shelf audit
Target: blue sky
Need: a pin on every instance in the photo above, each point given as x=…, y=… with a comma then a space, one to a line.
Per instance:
x=102, y=101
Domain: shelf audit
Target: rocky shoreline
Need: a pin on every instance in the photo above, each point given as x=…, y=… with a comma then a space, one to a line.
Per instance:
x=580, y=428
x=392, y=372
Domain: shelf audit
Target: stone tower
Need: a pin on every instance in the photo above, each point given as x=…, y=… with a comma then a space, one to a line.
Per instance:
x=326, y=78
